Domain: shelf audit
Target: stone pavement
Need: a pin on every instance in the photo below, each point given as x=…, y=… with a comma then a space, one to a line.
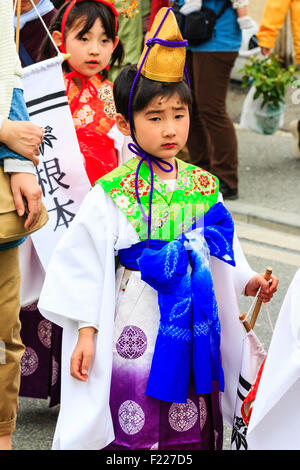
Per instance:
x=269, y=171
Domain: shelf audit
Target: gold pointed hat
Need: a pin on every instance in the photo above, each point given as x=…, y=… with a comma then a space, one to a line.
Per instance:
x=164, y=63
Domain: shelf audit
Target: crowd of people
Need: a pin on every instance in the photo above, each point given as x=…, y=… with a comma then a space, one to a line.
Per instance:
x=140, y=296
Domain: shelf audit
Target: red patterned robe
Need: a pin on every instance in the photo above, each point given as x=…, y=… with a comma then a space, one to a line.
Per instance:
x=93, y=112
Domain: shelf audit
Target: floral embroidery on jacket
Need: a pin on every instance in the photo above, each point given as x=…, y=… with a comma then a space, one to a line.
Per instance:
x=173, y=212
x=84, y=116
x=93, y=113
x=98, y=113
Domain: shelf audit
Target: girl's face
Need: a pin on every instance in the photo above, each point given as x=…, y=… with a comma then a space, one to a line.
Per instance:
x=91, y=52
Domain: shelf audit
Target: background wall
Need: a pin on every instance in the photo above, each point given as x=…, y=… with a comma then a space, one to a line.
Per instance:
x=256, y=8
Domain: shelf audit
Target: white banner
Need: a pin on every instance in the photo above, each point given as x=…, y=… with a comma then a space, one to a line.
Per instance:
x=61, y=172
x=253, y=356
x=275, y=419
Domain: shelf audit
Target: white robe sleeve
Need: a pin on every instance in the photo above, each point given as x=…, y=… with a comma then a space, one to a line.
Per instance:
x=79, y=264
x=242, y=272
x=229, y=285
x=80, y=287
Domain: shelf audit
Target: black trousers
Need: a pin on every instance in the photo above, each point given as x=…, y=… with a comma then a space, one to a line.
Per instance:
x=212, y=141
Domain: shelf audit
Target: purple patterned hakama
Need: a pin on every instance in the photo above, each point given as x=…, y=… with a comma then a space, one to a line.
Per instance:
x=142, y=422
x=41, y=362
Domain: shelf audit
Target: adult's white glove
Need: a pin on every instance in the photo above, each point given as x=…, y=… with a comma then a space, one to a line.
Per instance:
x=246, y=22
x=190, y=6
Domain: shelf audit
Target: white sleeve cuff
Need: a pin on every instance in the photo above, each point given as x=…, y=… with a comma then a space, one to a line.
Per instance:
x=14, y=165
x=239, y=3
x=2, y=117
x=246, y=22
x=190, y=6
x=242, y=273
x=82, y=324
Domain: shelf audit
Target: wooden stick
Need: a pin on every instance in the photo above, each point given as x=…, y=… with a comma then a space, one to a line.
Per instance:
x=245, y=323
x=66, y=56
x=18, y=25
x=255, y=313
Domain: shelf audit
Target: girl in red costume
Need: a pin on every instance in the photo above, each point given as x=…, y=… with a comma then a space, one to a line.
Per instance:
x=87, y=30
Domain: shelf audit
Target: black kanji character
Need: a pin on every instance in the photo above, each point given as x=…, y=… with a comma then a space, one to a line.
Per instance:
x=64, y=216
x=48, y=136
x=52, y=172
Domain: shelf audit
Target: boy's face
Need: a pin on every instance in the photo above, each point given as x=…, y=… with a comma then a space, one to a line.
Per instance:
x=162, y=127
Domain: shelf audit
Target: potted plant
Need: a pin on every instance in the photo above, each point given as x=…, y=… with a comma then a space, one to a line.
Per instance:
x=270, y=81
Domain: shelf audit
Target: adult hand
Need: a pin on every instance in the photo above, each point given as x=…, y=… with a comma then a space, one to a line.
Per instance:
x=23, y=137
x=268, y=288
x=25, y=185
x=265, y=51
x=83, y=354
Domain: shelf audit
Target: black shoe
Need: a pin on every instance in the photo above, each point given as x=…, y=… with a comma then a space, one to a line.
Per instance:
x=227, y=192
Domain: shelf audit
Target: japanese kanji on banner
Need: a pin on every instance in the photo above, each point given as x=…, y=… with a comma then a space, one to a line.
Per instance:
x=61, y=172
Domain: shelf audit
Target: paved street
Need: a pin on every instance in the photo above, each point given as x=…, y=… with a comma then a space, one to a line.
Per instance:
x=267, y=217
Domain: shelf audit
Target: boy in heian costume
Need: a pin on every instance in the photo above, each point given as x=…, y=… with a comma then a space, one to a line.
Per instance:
x=149, y=332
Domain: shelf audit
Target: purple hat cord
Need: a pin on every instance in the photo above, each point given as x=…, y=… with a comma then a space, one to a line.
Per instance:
x=135, y=147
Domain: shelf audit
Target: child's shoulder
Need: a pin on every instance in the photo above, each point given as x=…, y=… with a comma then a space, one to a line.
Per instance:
x=108, y=82
x=102, y=83
x=204, y=181
x=115, y=175
x=193, y=169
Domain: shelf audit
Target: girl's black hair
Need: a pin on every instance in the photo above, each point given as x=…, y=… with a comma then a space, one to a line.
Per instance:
x=89, y=12
x=145, y=91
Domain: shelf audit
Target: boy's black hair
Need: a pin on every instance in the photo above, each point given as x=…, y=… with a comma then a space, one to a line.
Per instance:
x=145, y=91
x=88, y=12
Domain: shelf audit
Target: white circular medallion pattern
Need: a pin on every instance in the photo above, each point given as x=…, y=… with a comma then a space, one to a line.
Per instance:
x=216, y=434
x=131, y=417
x=44, y=331
x=29, y=362
x=132, y=342
x=154, y=447
x=183, y=416
x=31, y=307
x=54, y=371
x=202, y=412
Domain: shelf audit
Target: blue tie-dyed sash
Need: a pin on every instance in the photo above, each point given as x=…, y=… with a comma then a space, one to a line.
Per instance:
x=188, y=339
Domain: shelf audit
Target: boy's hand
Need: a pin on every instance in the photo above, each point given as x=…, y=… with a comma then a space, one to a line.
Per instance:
x=23, y=137
x=268, y=288
x=83, y=354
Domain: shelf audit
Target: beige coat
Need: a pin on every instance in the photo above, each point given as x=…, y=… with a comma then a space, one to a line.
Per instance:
x=10, y=67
